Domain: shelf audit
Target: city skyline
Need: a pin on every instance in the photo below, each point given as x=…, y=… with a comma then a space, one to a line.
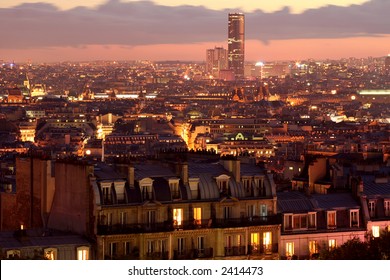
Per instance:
x=44, y=32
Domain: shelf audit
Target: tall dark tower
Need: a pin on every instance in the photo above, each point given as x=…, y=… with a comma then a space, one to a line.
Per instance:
x=236, y=44
x=387, y=65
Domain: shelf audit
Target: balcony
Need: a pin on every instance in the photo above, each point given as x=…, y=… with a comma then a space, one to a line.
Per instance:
x=235, y=251
x=262, y=249
x=202, y=253
x=157, y=255
x=186, y=225
x=193, y=254
x=134, y=228
x=246, y=222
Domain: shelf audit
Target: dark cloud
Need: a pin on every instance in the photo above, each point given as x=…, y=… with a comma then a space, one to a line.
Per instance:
x=143, y=23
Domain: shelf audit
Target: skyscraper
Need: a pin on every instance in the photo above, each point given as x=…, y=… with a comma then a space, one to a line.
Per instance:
x=236, y=44
x=387, y=65
x=216, y=60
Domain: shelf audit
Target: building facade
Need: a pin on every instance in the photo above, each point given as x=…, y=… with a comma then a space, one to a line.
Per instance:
x=236, y=44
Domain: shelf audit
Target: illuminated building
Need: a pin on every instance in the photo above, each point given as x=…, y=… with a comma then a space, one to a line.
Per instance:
x=216, y=60
x=236, y=44
x=387, y=65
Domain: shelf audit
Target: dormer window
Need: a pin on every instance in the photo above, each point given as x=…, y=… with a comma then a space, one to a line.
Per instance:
x=194, y=187
x=387, y=207
x=246, y=184
x=223, y=185
x=146, y=187
x=331, y=219
x=354, y=218
x=120, y=191
x=106, y=192
x=372, y=208
x=174, y=187
x=258, y=187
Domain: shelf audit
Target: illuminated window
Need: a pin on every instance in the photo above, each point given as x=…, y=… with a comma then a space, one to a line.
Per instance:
x=371, y=208
x=50, y=253
x=82, y=253
x=313, y=247
x=177, y=217
x=238, y=240
x=332, y=244
x=331, y=219
x=255, y=240
x=289, y=249
x=291, y=168
x=354, y=218
x=375, y=231
x=198, y=216
x=267, y=241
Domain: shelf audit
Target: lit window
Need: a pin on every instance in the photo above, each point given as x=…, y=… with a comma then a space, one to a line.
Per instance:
x=177, y=217
x=82, y=253
x=255, y=241
x=198, y=216
x=50, y=253
x=289, y=249
x=332, y=243
x=267, y=241
x=313, y=247
x=375, y=231
x=291, y=168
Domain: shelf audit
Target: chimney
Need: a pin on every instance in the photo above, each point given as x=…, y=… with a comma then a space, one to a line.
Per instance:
x=184, y=173
x=131, y=176
x=237, y=170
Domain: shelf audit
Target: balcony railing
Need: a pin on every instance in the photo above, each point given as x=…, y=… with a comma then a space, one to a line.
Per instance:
x=134, y=228
x=186, y=225
x=193, y=254
x=235, y=251
x=263, y=249
x=157, y=255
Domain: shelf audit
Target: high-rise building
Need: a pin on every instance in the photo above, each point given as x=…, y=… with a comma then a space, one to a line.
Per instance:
x=387, y=65
x=236, y=44
x=216, y=60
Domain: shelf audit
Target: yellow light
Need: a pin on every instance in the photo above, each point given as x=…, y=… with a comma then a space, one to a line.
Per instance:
x=88, y=152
